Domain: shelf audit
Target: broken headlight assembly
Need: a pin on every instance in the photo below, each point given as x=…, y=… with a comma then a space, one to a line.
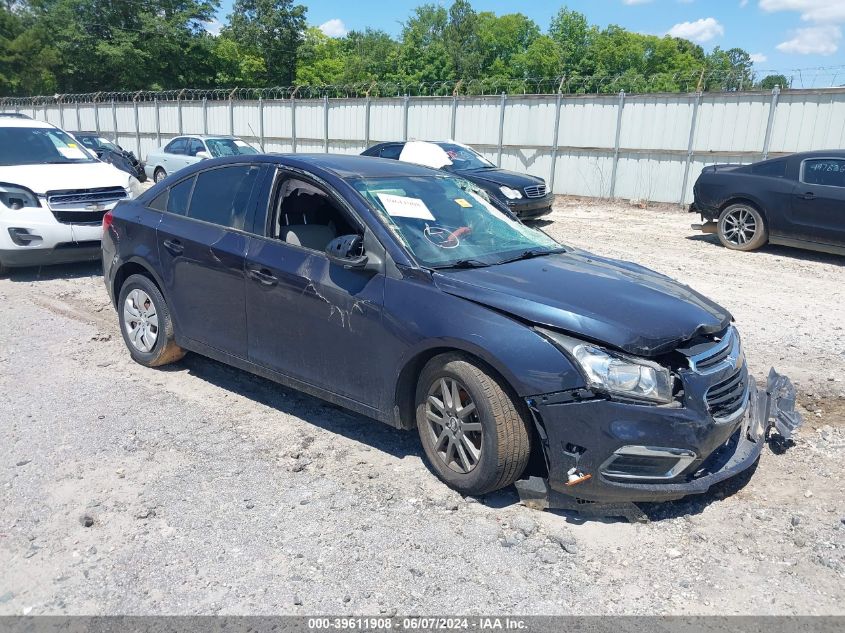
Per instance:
x=15, y=197
x=614, y=373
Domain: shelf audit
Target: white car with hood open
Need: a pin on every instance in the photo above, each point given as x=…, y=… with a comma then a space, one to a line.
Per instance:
x=53, y=195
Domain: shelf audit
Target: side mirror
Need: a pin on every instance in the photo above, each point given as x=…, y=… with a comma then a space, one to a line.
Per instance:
x=202, y=155
x=347, y=251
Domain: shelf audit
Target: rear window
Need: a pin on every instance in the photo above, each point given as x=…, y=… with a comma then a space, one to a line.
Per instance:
x=773, y=168
x=222, y=195
x=180, y=195
x=177, y=146
x=391, y=151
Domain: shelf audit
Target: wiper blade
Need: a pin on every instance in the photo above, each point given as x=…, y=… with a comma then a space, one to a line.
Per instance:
x=463, y=263
x=532, y=253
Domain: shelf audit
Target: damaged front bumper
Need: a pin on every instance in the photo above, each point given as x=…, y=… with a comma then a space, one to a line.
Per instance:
x=669, y=453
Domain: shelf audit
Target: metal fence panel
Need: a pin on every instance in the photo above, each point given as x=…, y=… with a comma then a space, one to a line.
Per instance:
x=648, y=147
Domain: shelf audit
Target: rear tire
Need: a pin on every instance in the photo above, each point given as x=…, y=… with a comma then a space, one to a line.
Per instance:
x=159, y=174
x=742, y=228
x=476, y=436
x=145, y=323
x=3, y=270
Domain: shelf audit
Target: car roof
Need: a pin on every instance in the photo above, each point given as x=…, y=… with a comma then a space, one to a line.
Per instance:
x=349, y=166
x=28, y=123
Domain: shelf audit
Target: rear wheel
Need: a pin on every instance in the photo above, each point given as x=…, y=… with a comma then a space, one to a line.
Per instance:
x=159, y=174
x=475, y=435
x=3, y=270
x=145, y=323
x=742, y=228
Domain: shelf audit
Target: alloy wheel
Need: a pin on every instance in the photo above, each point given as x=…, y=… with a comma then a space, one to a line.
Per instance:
x=140, y=320
x=452, y=420
x=740, y=226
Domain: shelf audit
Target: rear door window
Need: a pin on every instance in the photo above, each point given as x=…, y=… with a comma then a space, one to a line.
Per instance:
x=391, y=151
x=222, y=195
x=195, y=146
x=177, y=146
x=829, y=172
x=180, y=196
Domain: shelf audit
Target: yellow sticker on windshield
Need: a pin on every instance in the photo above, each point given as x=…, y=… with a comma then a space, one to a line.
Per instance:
x=71, y=144
x=466, y=204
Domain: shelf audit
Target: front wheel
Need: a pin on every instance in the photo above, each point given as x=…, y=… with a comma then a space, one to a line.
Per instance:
x=145, y=323
x=742, y=228
x=475, y=435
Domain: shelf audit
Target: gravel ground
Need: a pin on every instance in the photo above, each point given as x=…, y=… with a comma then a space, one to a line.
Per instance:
x=203, y=489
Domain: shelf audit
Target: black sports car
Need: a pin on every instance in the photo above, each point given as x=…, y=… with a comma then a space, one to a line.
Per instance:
x=111, y=153
x=525, y=196
x=797, y=200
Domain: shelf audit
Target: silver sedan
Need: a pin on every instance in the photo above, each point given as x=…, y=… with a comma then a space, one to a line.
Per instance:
x=187, y=150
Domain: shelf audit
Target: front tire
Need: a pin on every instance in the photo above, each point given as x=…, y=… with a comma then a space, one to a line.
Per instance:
x=742, y=228
x=145, y=323
x=159, y=174
x=475, y=435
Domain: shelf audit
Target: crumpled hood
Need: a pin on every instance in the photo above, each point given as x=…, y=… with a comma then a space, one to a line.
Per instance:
x=620, y=304
x=499, y=177
x=43, y=178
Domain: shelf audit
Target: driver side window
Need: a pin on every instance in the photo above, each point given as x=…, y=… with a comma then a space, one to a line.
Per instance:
x=305, y=215
x=195, y=146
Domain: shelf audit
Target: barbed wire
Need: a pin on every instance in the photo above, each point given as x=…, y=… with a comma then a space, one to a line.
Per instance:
x=694, y=81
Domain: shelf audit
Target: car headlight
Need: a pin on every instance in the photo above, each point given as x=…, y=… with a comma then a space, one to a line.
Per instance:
x=15, y=197
x=615, y=373
x=135, y=189
x=510, y=194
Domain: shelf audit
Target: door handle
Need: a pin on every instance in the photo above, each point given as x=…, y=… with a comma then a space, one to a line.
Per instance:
x=807, y=196
x=262, y=276
x=174, y=246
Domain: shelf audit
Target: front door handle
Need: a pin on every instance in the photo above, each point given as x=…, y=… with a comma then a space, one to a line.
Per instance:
x=262, y=276
x=174, y=246
x=807, y=196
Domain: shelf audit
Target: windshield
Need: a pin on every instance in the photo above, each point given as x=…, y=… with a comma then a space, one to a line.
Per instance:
x=444, y=223
x=39, y=146
x=465, y=158
x=229, y=147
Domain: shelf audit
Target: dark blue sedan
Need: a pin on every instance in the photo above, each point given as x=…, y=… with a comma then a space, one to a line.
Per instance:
x=402, y=293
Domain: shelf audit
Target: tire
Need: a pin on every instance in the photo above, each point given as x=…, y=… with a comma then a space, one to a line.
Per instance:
x=742, y=228
x=159, y=174
x=145, y=323
x=497, y=426
x=3, y=270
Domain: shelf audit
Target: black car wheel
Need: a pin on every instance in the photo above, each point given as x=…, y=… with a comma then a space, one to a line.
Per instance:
x=742, y=228
x=145, y=323
x=476, y=437
x=159, y=174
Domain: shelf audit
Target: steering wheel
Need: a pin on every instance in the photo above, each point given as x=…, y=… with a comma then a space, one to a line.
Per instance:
x=443, y=237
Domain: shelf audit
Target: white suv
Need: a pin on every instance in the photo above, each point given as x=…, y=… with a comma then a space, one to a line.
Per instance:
x=53, y=195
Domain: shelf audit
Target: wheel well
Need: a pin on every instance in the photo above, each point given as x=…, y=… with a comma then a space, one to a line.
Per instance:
x=406, y=391
x=740, y=200
x=126, y=271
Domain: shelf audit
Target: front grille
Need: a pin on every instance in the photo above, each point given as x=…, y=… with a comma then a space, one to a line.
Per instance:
x=729, y=396
x=75, y=205
x=719, y=354
x=535, y=191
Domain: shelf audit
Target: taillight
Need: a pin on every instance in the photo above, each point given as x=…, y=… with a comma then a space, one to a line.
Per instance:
x=108, y=218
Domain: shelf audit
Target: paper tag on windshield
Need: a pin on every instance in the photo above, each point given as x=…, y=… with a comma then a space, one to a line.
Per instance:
x=240, y=143
x=466, y=204
x=402, y=207
x=72, y=152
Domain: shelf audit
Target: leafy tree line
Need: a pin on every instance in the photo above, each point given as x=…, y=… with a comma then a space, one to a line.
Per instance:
x=68, y=46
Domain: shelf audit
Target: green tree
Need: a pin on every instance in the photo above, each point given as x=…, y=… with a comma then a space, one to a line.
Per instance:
x=272, y=30
x=422, y=55
x=502, y=39
x=370, y=55
x=321, y=59
x=770, y=81
x=462, y=41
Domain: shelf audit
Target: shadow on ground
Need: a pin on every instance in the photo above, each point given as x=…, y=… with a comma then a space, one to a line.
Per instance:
x=59, y=271
x=774, y=249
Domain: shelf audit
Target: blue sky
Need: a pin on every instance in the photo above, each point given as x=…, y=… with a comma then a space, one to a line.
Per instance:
x=781, y=34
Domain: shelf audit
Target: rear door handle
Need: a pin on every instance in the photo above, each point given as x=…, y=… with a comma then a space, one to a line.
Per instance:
x=263, y=276
x=174, y=246
x=807, y=196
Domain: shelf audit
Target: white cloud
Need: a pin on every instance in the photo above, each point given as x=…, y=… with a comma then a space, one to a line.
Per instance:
x=743, y=4
x=334, y=28
x=213, y=26
x=813, y=40
x=758, y=58
x=810, y=10
x=635, y=1
x=700, y=31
